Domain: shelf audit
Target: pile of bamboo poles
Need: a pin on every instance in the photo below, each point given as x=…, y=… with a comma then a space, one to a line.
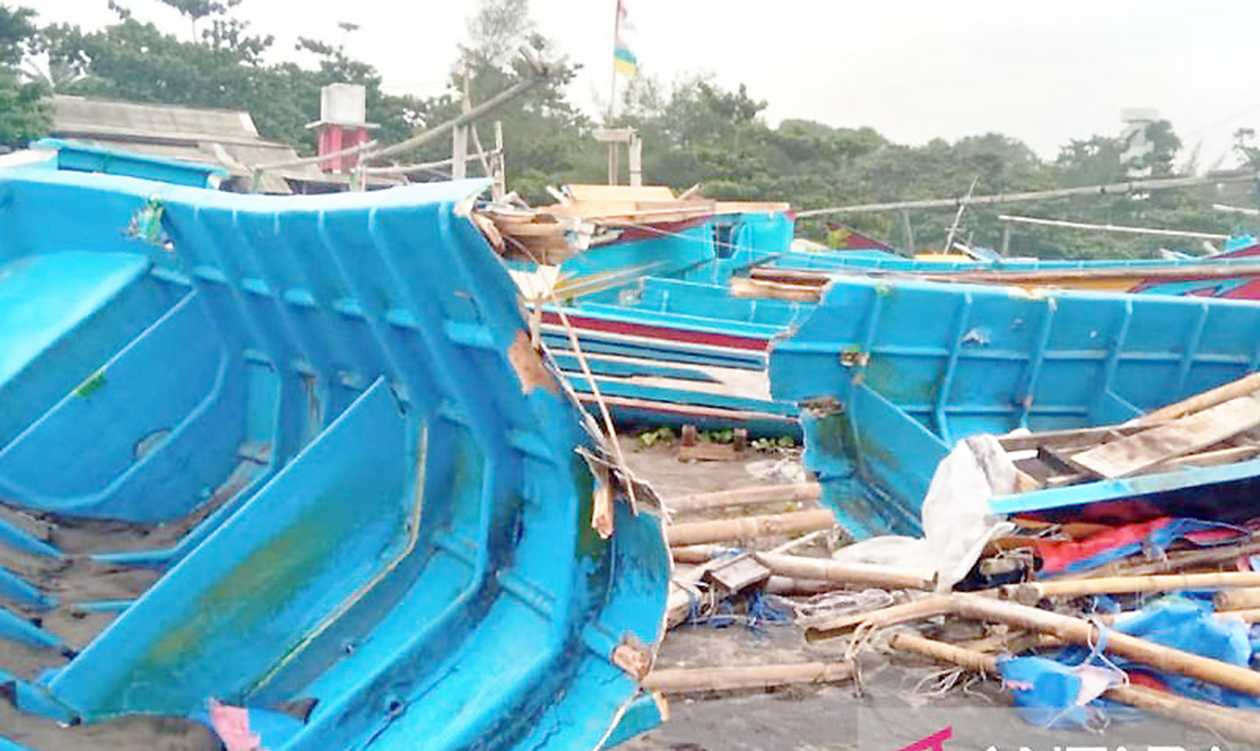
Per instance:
x=788, y=554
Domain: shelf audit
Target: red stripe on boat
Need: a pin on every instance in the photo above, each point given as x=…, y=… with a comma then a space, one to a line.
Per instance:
x=661, y=332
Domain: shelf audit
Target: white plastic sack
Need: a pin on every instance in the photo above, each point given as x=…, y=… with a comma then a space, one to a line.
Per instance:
x=955, y=517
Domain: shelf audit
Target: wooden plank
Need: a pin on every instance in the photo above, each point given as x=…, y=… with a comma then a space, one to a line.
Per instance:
x=741, y=287
x=1214, y=458
x=1076, y=437
x=1187, y=435
x=1245, y=385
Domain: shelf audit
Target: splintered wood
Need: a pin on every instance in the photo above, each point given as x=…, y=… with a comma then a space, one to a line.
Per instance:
x=1209, y=429
x=586, y=216
x=1134, y=453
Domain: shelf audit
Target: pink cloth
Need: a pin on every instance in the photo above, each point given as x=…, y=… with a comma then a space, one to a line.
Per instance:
x=232, y=725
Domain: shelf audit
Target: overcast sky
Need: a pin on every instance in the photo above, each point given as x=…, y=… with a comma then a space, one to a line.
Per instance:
x=1043, y=71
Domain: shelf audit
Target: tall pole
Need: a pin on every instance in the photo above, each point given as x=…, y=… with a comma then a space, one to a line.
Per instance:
x=612, y=82
x=612, y=94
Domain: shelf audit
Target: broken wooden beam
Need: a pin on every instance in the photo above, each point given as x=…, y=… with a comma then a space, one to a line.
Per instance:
x=750, y=496
x=688, y=680
x=749, y=527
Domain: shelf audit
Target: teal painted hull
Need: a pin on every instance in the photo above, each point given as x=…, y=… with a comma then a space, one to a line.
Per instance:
x=297, y=452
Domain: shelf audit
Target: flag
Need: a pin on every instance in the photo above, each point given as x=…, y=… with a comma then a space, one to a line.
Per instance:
x=624, y=61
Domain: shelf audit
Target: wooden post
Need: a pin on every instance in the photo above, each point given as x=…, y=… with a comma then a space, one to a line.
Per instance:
x=635, y=158
x=1227, y=722
x=459, y=153
x=683, y=680
x=499, y=163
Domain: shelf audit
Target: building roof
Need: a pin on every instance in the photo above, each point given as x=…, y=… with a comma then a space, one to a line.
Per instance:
x=227, y=138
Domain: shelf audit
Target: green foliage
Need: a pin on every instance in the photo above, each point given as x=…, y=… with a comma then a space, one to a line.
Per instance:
x=662, y=436
x=694, y=131
x=25, y=113
x=724, y=435
x=224, y=68
x=768, y=445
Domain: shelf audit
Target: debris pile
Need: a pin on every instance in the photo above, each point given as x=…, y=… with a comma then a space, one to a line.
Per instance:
x=1142, y=593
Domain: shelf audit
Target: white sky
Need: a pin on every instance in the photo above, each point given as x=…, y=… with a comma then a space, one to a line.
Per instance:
x=1043, y=71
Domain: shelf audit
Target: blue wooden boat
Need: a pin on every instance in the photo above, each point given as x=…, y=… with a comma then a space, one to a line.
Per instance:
x=669, y=341
x=1233, y=275
x=665, y=340
x=890, y=374
x=297, y=456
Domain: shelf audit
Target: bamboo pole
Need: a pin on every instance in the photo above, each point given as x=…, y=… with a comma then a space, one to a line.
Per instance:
x=1246, y=615
x=786, y=585
x=1035, y=592
x=1082, y=632
x=1210, y=556
x=884, y=577
x=697, y=553
x=539, y=74
x=917, y=610
x=750, y=496
x=1201, y=401
x=749, y=527
x=1112, y=228
x=1237, y=599
x=1211, y=717
x=1121, y=188
x=684, y=680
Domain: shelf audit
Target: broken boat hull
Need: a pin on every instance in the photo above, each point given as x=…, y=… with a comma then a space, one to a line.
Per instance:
x=891, y=374
x=296, y=455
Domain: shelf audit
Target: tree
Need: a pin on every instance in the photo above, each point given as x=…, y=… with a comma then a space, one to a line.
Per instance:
x=498, y=29
x=25, y=113
x=226, y=67
x=196, y=10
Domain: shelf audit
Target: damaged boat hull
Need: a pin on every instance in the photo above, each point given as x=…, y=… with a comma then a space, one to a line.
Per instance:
x=348, y=485
x=891, y=374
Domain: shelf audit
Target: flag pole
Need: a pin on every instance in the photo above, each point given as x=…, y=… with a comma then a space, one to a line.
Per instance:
x=612, y=84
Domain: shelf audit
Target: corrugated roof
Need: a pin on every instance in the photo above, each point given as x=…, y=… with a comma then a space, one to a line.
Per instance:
x=223, y=137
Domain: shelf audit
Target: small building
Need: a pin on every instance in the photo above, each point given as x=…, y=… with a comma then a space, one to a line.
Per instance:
x=218, y=137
